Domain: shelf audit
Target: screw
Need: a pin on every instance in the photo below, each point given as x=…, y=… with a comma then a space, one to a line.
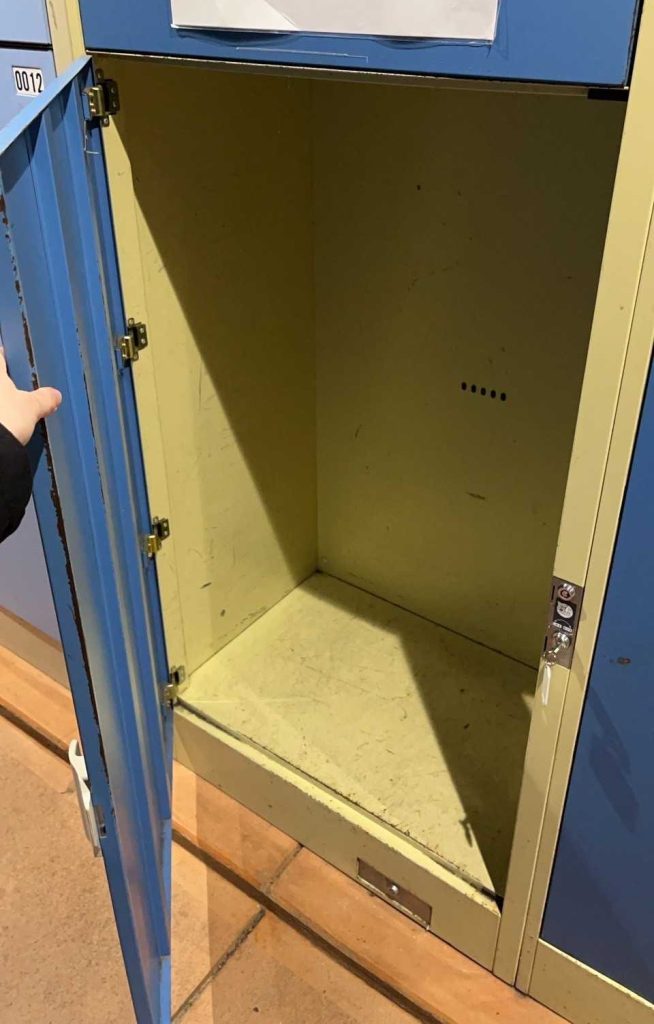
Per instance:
x=394, y=890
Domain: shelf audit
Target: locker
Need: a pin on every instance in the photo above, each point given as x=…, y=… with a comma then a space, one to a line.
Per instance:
x=365, y=342
x=26, y=22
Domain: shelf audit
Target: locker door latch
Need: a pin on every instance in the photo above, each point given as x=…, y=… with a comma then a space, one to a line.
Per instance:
x=102, y=99
x=87, y=810
x=565, y=609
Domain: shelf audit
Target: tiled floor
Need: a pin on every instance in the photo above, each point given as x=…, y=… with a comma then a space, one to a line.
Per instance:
x=59, y=956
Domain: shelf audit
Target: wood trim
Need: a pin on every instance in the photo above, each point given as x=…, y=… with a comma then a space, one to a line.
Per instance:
x=33, y=646
x=582, y=995
x=617, y=328
x=338, y=831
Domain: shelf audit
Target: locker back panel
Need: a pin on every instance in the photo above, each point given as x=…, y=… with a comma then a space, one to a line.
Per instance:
x=576, y=41
x=458, y=244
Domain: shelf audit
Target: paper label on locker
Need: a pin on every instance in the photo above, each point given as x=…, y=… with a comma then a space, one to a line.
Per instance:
x=467, y=20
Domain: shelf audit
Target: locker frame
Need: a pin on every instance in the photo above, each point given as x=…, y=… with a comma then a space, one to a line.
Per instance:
x=608, y=413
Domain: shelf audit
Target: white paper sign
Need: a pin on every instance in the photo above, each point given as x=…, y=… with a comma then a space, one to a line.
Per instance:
x=472, y=20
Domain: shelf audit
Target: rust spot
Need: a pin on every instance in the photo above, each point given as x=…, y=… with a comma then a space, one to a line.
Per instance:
x=3, y=210
x=28, y=339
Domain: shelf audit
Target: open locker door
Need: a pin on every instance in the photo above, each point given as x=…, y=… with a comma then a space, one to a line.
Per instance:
x=61, y=317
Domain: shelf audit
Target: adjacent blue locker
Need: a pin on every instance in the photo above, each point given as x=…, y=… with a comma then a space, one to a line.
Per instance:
x=601, y=900
x=24, y=21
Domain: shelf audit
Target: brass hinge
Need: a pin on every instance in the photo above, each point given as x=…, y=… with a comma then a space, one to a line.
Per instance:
x=133, y=342
x=159, y=533
x=102, y=98
x=170, y=693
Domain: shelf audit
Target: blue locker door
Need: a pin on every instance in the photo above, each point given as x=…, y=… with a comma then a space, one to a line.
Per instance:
x=601, y=901
x=61, y=311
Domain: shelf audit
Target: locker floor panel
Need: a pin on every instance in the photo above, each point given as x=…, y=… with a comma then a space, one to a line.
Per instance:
x=418, y=726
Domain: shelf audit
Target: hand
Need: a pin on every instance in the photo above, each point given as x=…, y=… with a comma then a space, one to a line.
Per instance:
x=20, y=411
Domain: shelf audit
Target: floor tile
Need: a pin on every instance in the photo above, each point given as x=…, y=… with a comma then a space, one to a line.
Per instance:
x=278, y=977
x=208, y=916
x=433, y=975
x=227, y=831
x=60, y=960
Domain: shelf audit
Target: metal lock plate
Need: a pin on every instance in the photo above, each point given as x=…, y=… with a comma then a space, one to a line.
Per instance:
x=565, y=611
x=399, y=897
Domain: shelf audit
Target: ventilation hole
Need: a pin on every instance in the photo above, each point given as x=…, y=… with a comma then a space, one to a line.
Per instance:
x=483, y=391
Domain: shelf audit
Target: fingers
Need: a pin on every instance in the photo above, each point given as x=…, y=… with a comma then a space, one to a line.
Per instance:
x=46, y=401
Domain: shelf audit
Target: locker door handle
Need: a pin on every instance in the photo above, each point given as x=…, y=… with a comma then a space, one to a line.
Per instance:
x=87, y=811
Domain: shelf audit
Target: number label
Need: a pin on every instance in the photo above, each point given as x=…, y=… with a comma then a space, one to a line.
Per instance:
x=28, y=81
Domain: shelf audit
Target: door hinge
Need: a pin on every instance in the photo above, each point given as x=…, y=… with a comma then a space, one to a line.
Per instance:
x=87, y=810
x=102, y=98
x=132, y=343
x=172, y=690
x=160, y=531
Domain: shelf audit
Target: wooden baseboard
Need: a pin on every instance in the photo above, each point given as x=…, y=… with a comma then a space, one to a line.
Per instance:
x=32, y=645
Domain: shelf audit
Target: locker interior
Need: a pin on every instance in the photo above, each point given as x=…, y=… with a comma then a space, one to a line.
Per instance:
x=369, y=308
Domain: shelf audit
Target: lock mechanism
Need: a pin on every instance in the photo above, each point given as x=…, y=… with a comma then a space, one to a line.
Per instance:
x=565, y=609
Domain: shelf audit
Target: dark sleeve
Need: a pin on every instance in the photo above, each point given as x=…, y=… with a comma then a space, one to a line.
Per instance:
x=15, y=482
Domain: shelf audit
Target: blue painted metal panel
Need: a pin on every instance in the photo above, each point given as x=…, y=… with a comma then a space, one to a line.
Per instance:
x=23, y=21
x=577, y=41
x=24, y=585
x=602, y=893
x=60, y=311
x=10, y=102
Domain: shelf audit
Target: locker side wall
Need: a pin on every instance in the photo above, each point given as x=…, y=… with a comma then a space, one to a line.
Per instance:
x=221, y=172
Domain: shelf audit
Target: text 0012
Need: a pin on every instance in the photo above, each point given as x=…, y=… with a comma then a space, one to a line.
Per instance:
x=28, y=81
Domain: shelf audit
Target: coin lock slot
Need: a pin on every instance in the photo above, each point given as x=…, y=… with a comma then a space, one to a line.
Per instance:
x=565, y=610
